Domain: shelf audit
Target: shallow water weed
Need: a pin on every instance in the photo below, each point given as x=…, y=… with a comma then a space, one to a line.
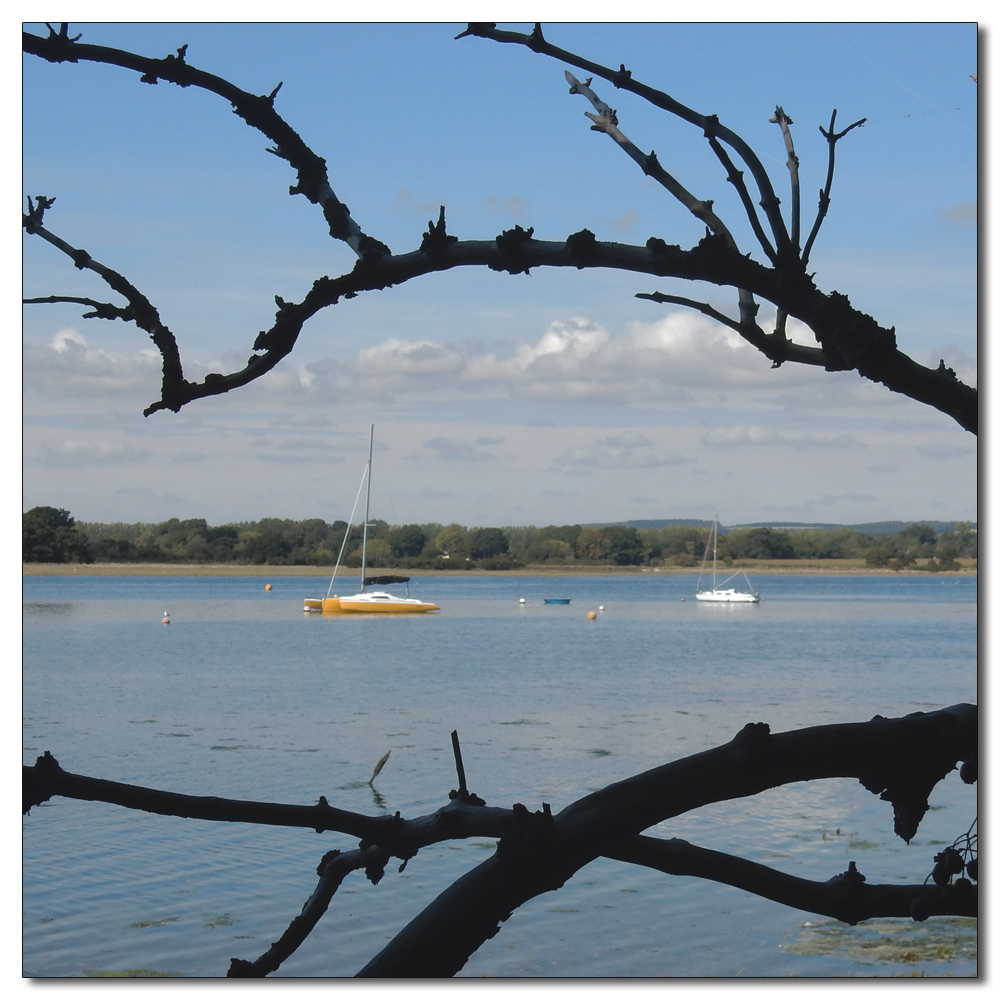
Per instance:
x=941, y=939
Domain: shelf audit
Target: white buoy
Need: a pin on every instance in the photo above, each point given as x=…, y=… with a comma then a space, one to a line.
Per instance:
x=600, y=607
x=522, y=601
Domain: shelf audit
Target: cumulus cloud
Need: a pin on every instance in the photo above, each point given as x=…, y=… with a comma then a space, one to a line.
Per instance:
x=66, y=366
x=627, y=450
x=671, y=359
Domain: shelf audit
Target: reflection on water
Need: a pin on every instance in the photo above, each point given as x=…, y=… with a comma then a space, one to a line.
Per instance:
x=242, y=695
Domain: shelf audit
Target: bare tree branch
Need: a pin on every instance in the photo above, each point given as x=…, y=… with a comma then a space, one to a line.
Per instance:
x=622, y=79
x=606, y=121
x=849, y=340
x=403, y=838
x=101, y=310
x=775, y=346
x=847, y=897
x=824, y=196
x=140, y=310
x=332, y=870
x=792, y=163
x=258, y=112
x=900, y=759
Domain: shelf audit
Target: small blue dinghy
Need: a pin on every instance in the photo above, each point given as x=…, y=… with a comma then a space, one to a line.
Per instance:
x=556, y=600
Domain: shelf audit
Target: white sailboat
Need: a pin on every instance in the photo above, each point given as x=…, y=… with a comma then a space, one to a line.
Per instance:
x=367, y=601
x=720, y=593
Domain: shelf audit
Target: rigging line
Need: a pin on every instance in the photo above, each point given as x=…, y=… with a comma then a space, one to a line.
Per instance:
x=902, y=86
x=343, y=544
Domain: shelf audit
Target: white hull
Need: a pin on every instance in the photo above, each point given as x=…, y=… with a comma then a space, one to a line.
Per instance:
x=730, y=596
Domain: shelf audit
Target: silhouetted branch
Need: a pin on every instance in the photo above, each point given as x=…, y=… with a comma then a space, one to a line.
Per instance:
x=847, y=897
x=403, y=838
x=774, y=346
x=849, y=339
x=622, y=79
x=824, y=195
x=332, y=870
x=258, y=112
x=101, y=310
x=792, y=163
x=140, y=311
x=899, y=759
x=606, y=121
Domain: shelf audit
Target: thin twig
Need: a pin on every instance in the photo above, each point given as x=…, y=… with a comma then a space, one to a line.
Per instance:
x=793, y=169
x=824, y=196
x=463, y=790
x=332, y=870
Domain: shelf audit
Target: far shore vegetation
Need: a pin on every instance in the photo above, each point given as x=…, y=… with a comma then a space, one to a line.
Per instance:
x=53, y=541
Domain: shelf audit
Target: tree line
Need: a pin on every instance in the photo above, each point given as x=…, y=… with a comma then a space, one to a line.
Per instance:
x=52, y=535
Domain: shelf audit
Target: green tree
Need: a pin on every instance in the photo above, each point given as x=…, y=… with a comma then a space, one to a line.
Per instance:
x=625, y=545
x=876, y=556
x=50, y=535
x=485, y=543
x=407, y=541
x=592, y=544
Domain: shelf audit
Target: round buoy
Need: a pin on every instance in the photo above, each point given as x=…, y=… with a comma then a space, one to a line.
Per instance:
x=682, y=600
x=267, y=586
x=165, y=620
x=591, y=615
x=601, y=608
x=522, y=601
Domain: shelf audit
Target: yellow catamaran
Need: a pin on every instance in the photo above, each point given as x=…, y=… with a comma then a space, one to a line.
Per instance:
x=367, y=601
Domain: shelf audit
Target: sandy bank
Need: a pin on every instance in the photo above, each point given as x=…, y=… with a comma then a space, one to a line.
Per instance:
x=800, y=567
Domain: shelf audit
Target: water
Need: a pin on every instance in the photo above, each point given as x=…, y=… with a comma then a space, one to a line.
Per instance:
x=244, y=696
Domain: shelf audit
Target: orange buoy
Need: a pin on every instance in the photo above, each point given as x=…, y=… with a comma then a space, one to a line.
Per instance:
x=682, y=600
x=591, y=615
x=267, y=586
x=165, y=620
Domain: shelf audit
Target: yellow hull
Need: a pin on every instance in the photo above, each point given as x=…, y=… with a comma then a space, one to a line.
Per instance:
x=350, y=607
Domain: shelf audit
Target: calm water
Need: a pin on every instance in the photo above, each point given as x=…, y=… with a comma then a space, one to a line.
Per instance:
x=244, y=696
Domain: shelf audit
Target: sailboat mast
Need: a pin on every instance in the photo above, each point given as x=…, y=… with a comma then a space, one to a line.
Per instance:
x=368, y=503
x=715, y=548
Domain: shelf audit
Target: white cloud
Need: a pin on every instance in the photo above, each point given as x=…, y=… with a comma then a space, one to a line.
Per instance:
x=68, y=367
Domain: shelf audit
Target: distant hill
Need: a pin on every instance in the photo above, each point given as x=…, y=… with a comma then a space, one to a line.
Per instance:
x=871, y=528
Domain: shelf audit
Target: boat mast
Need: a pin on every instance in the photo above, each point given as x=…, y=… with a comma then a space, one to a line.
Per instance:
x=715, y=548
x=368, y=503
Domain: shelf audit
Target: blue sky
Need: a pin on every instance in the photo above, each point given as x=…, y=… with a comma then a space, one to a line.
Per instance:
x=497, y=399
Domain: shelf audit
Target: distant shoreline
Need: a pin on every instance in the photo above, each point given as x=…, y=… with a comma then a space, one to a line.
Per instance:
x=765, y=567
